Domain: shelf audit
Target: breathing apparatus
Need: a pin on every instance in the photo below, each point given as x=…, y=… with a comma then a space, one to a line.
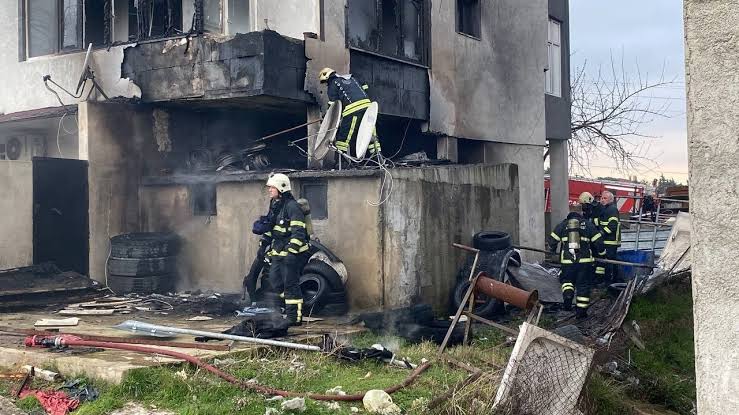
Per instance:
x=573, y=236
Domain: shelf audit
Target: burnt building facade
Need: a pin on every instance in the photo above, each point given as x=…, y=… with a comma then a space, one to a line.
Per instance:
x=191, y=84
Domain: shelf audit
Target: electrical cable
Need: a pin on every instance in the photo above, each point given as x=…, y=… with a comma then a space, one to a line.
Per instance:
x=402, y=141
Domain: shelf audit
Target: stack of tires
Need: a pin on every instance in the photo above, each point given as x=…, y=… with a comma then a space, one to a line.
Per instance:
x=495, y=253
x=143, y=263
x=323, y=290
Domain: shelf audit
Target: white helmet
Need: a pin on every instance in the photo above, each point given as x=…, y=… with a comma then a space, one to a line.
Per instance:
x=280, y=182
x=325, y=74
x=586, y=198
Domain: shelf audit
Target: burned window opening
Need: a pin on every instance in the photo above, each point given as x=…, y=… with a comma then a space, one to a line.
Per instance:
x=203, y=198
x=150, y=19
x=395, y=28
x=316, y=192
x=97, y=16
x=469, y=17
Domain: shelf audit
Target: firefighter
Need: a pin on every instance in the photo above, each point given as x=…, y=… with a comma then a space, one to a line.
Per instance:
x=289, y=244
x=589, y=207
x=355, y=100
x=609, y=224
x=577, y=239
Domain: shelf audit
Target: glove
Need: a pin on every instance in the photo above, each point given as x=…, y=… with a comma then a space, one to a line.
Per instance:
x=262, y=225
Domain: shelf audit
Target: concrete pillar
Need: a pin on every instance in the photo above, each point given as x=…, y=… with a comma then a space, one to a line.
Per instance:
x=446, y=149
x=530, y=162
x=712, y=56
x=559, y=179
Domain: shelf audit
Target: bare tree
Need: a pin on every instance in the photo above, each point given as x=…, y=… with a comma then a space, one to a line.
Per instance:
x=609, y=112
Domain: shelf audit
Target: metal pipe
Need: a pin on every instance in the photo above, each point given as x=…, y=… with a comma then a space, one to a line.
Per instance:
x=507, y=293
x=601, y=260
x=153, y=329
x=654, y=233
x=638, y=226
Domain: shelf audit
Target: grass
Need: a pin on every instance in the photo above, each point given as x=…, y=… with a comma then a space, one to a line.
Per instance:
x=666, y=368
x=187, y=390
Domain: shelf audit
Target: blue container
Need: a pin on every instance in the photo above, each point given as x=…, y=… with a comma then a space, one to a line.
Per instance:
x=639, y=257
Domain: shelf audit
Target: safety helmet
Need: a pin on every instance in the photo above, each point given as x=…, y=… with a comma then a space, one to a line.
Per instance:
x=586, y=198
x=280, y=182
x=325, y=74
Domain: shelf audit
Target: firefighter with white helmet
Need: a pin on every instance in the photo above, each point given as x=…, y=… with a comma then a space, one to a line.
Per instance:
x=288, y=239
x=353, y=96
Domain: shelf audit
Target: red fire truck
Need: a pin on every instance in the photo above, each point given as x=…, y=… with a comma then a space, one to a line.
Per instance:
x=625, y=192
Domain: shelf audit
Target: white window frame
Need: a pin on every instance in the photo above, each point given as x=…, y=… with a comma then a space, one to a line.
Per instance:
x=553, y=74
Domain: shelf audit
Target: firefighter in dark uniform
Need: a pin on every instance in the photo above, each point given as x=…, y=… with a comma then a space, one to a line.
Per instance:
x=609, y=224
x=288, y=246
x=355, y=101
x=577, y=239
x=591, y=210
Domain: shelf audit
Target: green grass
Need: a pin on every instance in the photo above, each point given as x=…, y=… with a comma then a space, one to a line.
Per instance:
x=667, y=367
x=200, y=392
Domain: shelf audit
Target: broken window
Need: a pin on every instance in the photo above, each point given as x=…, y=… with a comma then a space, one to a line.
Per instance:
x=390, y=27
x=469, y=17
x=203, y=199
x=154, y=18
x=95, y=22
x=238, y=16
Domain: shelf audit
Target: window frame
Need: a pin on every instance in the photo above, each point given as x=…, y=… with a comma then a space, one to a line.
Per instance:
x=424, y=33
x=458, y=21
x=553, y=75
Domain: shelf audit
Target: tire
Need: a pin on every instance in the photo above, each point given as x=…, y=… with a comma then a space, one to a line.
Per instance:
x=336, y=297
x=140, y=285
x=492, y=263
x=484, y=306
x=333, y=279
x=570, y=332
x=144, y=245
x=333, y=310
x=313, y=288
x=131, y=267
x=491, y=240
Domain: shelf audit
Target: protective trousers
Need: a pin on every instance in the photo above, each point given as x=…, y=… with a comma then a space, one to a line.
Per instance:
x=611, y=270
x=577, y=281
x=348, y=131
x=284, y=278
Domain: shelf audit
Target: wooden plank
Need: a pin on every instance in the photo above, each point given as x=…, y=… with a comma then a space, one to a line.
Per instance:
x=492, y=323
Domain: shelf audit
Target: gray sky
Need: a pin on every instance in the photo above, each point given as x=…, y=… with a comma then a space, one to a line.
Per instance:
x=649, y=35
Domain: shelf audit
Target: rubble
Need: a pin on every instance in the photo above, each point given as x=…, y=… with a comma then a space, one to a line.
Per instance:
x=379, y=402
x=294, y=404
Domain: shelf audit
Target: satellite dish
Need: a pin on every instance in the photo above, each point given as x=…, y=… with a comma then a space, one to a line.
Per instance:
x=85, y=69
x=366, y=130
x=327, y=133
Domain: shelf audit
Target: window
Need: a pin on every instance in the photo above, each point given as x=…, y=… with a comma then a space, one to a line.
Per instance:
x=238, y=16
x=203, y=199
x=393, y=28
x=469, y=17
x=52, y=26
x=553, y=78
x=317, y=195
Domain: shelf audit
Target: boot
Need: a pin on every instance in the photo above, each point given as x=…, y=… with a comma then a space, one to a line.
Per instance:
x=567, y=298
x=293, y=316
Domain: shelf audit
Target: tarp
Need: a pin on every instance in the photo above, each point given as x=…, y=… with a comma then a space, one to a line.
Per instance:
x=535, y=277
x=675, y=258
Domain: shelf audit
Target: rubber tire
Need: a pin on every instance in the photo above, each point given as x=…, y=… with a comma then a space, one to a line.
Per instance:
x=434, y=332
x=141, y=267
x=490, y=308
x=571, y=332
x=140, y=285
x=491, y=241
x=336, y=297
x=333, y=310
x=144, y=245
x=313, y=287
x=326, y=271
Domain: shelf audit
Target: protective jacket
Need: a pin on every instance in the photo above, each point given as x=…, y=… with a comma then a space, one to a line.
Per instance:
x=289, y=234
x=590, y=241
x=355, y=101
x=609, y=223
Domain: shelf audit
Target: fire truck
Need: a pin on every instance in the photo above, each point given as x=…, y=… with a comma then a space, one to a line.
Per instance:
x=628, y=194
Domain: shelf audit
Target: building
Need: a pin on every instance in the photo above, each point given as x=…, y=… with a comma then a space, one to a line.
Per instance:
x=713, y=150
x=484, y=85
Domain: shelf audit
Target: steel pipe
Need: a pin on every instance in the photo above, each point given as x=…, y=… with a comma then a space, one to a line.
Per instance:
x=507, y=293
x=153, y=329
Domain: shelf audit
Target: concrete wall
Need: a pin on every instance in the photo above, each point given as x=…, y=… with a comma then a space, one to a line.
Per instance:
x=117, y=141
x=431, y=208
x=492, y=88
x=16, y=222
x=558, y=108
x=530, y=190
x=711, y=30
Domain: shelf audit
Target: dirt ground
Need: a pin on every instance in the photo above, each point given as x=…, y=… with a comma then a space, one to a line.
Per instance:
x=8, y=408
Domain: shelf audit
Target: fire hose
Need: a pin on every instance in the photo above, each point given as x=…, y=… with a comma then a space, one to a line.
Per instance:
x=70, y=341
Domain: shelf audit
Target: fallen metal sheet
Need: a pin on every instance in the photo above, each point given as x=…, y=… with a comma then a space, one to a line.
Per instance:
x=545, y=374
x=674, y=259
x=532, y=277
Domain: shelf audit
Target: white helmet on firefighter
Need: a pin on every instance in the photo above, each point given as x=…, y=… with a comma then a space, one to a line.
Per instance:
x=325, y=74
x=279, y=181
x=586, y=198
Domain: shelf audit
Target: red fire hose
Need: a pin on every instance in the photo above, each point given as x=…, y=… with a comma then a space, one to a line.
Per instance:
x=62, y=341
